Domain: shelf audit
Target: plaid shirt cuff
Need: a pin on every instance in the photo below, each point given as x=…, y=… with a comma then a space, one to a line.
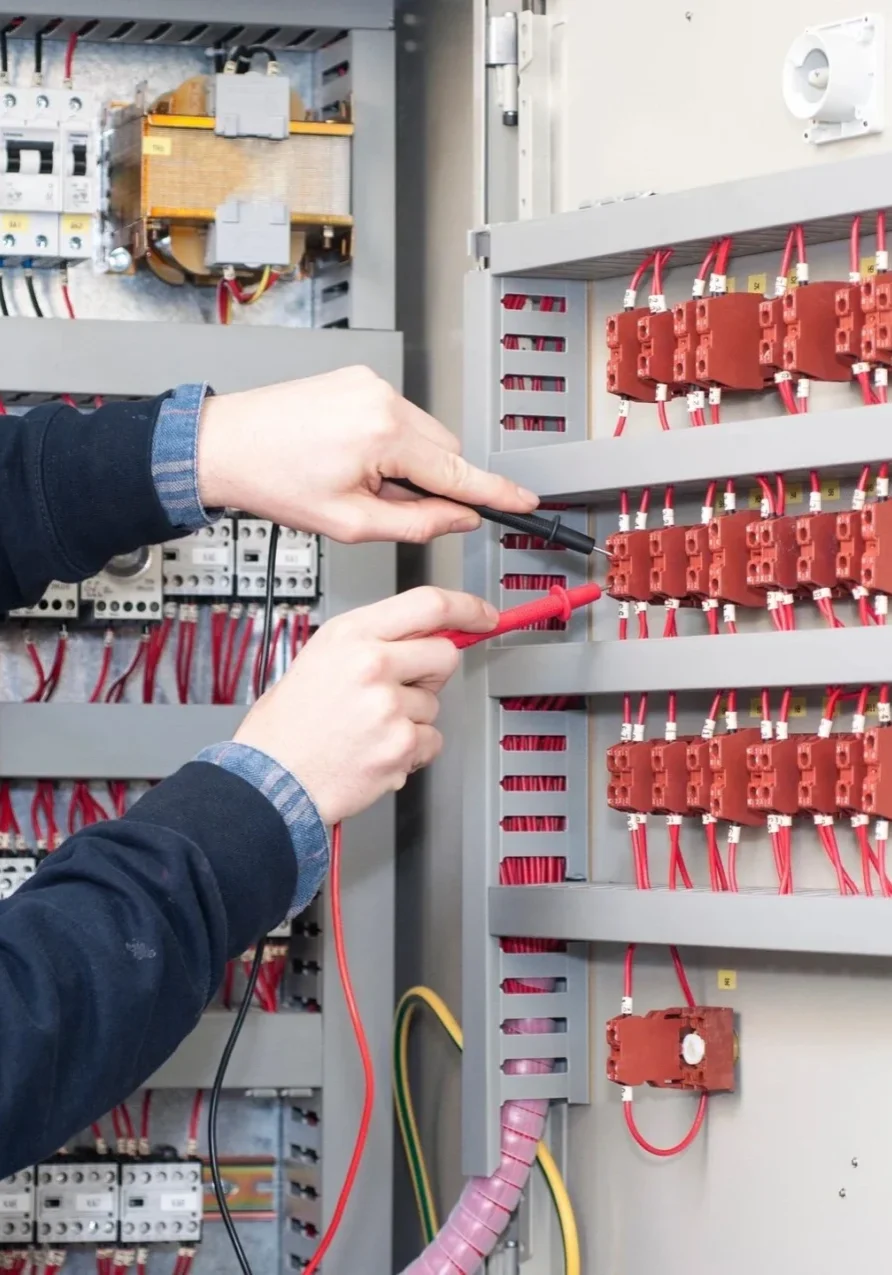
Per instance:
x=175, y=458
x=279, y=786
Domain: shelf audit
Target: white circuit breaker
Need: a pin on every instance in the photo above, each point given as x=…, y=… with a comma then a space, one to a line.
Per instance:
x=161, y=1202
x=60, y=602
x=17, y=1208
x=201, y=565
x=77, y=1202
x=128, y=588
x=297, y=561
x=49, y=174
x=14, y=872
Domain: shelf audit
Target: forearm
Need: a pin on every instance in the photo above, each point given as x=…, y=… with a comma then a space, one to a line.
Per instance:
x=111, y=953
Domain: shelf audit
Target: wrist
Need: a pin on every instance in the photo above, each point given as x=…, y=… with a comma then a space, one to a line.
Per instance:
x=218, y=460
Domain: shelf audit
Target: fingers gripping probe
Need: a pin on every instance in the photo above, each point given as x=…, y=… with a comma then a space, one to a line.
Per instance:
x=558, y=603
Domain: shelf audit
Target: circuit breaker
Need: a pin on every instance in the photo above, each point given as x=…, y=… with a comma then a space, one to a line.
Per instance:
x=203, y=564
x=161, y=1202
x=297, y=561
x=17, y=1203
x=77, y=1202
x=15, y=870
x=60, y=602
x=49, y=176
x=129, y=587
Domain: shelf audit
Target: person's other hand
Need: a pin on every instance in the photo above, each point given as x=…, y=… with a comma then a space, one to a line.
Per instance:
x=314, y=455
x=355, y=713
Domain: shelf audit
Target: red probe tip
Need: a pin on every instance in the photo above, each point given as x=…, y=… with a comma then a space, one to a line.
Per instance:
x=558, y=603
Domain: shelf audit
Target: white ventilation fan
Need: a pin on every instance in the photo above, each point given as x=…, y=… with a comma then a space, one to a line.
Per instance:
x=834, y=78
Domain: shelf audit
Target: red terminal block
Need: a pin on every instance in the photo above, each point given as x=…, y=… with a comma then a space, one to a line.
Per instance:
x=729, y=557
x=773, y=554
x=670, y=776
x=849, y=323
x=699, y=777
x=728, y=342
x=656, y=353
x=810, y=337
x=876, y=564
x=728, y=787
x=696, y=547
x=818, y=545
x=669, y=562
x=876, y=336
x=684, y=324
x=877, y=793
x=851, y=548
x=622, y=358
x=817, y=762
x=630, y=783
x=851, y=772
x=628, y=576
x=691, y=1048
x=773, y=776
x=771, y=336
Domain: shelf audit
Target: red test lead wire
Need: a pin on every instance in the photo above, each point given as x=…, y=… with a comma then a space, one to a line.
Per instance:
x=558, y=604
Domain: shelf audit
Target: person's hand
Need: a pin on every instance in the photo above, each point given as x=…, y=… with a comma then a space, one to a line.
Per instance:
x=355, y=713
x=314, y=455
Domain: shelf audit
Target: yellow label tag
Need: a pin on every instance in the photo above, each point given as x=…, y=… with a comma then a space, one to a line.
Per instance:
x=872, y=701
x=755, y=707
x=794, y=493
x=727, y=980
x=791, y=279
x=868, y=267
x=731, y=285
x=15, y=222
x=757, y=283
x=76, y=224
x=157, y=146
x=830, y=489
x=797, y=706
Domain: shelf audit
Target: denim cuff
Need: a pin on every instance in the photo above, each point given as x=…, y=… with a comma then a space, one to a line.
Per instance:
x=175, y=458
x=308, y=835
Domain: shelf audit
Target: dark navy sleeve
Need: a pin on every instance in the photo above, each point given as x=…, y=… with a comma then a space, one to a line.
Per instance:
x=111, y=952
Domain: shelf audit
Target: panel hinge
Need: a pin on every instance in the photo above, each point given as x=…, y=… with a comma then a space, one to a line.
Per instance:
x=501, y=54
x=478, y=247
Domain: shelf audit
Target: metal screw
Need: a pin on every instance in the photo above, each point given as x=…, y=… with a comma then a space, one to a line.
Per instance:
x=9, y=99
x=854, y=1162
x=842, y=1193
x=688, y=15
x=42, y=102
x=119, y=260
x=76, y=242
x=9, y=241
x=41, y=241
x=75, y=104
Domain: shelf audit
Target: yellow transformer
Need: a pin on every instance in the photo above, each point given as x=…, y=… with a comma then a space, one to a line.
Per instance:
x=184, y=191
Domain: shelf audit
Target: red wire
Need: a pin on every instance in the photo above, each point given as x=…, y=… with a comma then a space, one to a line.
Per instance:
x=881, y=232
x=855, y=246
x=666, y=1152
x=104, y=669
x=365, y=1055
x=195, y=1118
x=69, y=59
x=66, y=297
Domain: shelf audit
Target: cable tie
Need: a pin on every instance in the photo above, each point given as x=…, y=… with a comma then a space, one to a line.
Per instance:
x=715, y=395
x=734, y=831
x=731, y=721
x=671, y=732
x=782, y=730
x=766, y=729
x=859, y=499
x=859, y=723
x=661, y=394
x=625, y=1005
x=623, y=610
x=881, y=830
x=674, y=821
x=708, y=820
x=638, y=733
x=825, y=728
x=625, y=523
x=860, y=821
x=802, y=272
x=699, y=289
x=881, y=260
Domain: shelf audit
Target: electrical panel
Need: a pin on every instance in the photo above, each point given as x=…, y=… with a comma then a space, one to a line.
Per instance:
x=130, y=587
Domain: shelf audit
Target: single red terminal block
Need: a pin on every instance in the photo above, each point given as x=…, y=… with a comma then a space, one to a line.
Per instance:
x=684, y=324
x=689, y=1048
x=773, y=776
x=622, y=358
x=816, y=759
x=699, y=777
x=728, y=344
x=849, y=323
x=669, y=563
x=773, y=554
x=670, y=776
x=729, y=557
x=851, y=772
x=851, y=548
x=728, y=777
x=877, y=793
x=771, y=336
x=696, y=547
x=810, y=338
x=656, y=353
x=630, y=785
x=876, y=564
x=628, y=576
x=818, y=546
x=876, y=336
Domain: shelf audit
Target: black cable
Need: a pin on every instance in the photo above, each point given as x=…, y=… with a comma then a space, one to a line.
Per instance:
x=4, y=308
x=32, y=293
x=38, y=53
x=4, y=49
x=251, y=49
x=217, y=1089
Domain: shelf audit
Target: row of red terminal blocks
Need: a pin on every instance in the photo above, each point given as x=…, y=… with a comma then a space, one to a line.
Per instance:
x=740, y=341
x=741, y=557
x=741, y=778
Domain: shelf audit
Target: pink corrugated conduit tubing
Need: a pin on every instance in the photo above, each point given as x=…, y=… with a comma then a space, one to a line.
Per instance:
x=484, y=1209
